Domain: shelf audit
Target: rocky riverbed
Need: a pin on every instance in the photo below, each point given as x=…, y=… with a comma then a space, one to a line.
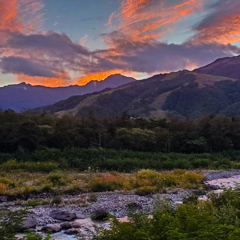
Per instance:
x=73, y=220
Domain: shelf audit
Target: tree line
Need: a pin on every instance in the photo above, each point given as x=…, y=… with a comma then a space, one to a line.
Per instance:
x=27, y=132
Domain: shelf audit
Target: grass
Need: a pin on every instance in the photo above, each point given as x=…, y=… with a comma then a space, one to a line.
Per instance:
x=71, y=182
x=48, y=160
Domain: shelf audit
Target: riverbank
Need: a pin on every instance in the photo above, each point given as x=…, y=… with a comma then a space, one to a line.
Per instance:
x=116, y=203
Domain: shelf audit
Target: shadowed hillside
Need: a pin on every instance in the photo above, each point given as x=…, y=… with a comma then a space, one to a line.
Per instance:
x=25, y=96
x=184, y=94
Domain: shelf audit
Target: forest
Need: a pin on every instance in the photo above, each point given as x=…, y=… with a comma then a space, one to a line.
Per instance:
x=117, y=143
x=27, y=133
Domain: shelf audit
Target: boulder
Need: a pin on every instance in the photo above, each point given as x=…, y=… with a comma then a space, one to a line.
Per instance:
x=199, y=192
x=76, y=225
x=99, y=215
x=28, y=223
x=71, y=232
x=211, y=187
x=80, y=216
x=66, y=225
x=52, y=228
x=62, y=215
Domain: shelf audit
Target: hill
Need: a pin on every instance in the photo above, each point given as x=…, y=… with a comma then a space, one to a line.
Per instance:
x=184, y=94
x=227, y=67
x=25, y=96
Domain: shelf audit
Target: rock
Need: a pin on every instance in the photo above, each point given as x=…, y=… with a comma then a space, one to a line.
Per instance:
x=212, y=187
x=62, y=215
x=80, y=216
x=11, y=198
x=134, y=206
x=52, y=228
x=99, y=215
x=76, y=225
x=71, y=232
x=28, y=223
x=66, y=225
x=199, y=192
x=3, y=198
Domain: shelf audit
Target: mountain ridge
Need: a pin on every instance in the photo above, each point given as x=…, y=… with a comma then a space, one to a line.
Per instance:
x=24, y=96
x=184, y=94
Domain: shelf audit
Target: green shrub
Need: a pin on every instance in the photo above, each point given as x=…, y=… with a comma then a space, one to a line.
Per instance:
x=146, y=190
x=56, y=200
x=57, y=178
x=191, y=220
x=92, y=197
x=33, y=203
x=8, y=182
x=74, y=189
x=29, y=166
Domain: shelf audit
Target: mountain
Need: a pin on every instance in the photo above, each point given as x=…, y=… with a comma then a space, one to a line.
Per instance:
x=227, y=67
x=25, y=96
x=184, y=94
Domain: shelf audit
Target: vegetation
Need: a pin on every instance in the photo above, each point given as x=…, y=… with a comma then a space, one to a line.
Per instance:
x=148, y=181
x=10, y=223
x=218, y=219
x=21, y=133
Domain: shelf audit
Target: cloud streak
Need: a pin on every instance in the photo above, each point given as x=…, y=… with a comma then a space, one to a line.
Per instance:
x=222, y=24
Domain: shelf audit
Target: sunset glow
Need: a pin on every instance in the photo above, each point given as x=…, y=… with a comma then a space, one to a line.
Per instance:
x=51, y=43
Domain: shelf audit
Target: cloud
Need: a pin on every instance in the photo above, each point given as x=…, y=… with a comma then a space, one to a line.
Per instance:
x=19, y=65
x=51, y=44
x=45, y=55
x=134, y=45
x=150, y=19
x=158, y=57
x=222, y=24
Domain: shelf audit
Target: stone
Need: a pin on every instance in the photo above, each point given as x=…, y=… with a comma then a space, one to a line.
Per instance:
x=199, y=192
x=71, y=232
x=3, y=198
x=99, y=215
x=52, y=228
x=66, y=225
x=11, y=198
x=80, y=216
x=62, y=215
x=212, y=187
x=28, y=223
x=76, y=225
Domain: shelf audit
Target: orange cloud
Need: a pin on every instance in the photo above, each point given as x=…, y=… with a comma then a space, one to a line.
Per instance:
x=97, y=76
x=225, y=31
x=222, y=25
x=58, y=81
x=149, y=19
x=9, y=19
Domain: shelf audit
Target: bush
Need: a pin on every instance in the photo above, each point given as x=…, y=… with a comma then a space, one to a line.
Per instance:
x=191, y=220
x=56, y=179
x=192, y=177
x=29, y=166
x=56, y=200
x=92, y=197
x=74, y=189
x=33, y=203
x=100, y=215
x=7, y=182
x=146, y=190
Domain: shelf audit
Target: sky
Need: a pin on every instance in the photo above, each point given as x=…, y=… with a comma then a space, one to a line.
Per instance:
x=67, y=42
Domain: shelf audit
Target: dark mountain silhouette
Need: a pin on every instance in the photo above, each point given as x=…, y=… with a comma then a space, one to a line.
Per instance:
x=25, y=96
x=227, y=67
x=184, y=94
